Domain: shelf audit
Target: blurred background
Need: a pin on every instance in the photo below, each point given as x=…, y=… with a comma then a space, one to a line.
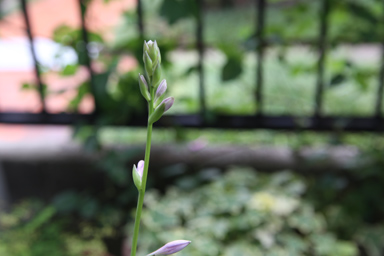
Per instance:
x=273, y=146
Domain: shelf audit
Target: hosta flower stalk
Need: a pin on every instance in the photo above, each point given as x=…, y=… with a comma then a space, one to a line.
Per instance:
x=152, y=87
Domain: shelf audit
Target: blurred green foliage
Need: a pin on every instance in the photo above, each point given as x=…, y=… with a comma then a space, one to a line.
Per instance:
x=31, y=229
x=241, y=213
x=230, y=42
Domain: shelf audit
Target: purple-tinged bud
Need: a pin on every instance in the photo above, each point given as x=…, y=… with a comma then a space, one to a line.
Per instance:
x=168, y=102
x=140, y=168
x=161, y=109
x=160, y=90
x=144, y=88
x=171, y=248
x=137, y=174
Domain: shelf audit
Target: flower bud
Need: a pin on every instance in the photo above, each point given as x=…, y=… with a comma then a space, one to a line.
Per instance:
x=161, y=109
x=159, y=56
x=171, y=248
x=168, y=102
x=144, y=88
x=152, y=49
x=145, y=47
x=147, y=63
x=156, y=75
x=160, y=90
x=137, y=174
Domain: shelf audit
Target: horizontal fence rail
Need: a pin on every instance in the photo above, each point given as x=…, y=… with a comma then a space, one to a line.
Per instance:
x=317, y=121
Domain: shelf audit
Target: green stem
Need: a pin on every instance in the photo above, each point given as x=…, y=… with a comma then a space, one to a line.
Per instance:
x=140, y=200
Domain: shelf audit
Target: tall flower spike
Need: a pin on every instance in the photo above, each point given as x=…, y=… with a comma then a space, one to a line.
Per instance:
x=137, y=174
x=171, y=248
x=160, y=90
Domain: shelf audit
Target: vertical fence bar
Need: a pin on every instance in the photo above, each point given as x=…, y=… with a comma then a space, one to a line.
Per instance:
x=322, y=46
x=200, y=49
x=379, y=100
x=87, y=60
x=260, y=45
x=139, y=10
x=27, y=22
x=380, y=89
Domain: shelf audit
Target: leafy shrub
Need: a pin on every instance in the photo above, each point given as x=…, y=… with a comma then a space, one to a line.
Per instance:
x=242, y=213
x=31, y=229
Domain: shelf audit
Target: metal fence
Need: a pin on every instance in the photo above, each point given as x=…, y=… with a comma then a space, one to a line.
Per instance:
x=317, y=121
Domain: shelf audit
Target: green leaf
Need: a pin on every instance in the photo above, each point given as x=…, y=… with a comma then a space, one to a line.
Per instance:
x=82, y=90
x=88, y=207
x=190, y=70
x=337, y=79
x=66, y=202
x=362, y=12
x=27, y=86
x=69, y=70
x=232, y=69
x=362, y=79
x=174, y=10
x=42, y=217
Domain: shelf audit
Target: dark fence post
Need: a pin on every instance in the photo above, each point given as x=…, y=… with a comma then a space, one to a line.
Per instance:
x=379, y=100
x=33, y=53
x=260, y=44
x=322, y=46
x=200, y=49
x=87, y=60
x=140, y=23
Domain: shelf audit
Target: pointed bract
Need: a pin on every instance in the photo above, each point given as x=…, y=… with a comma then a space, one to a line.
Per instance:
x=160, y=90
x=156, y=75
x=156, y=115
x=171, y=248
x=158, y=52
x=150, y=44
x=145, y=47
x=152, y=51
x=147, y=63
x=159, y=57
x=144, y=88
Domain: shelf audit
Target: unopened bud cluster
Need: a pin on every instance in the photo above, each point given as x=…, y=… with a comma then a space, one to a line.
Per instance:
x=151, y=86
